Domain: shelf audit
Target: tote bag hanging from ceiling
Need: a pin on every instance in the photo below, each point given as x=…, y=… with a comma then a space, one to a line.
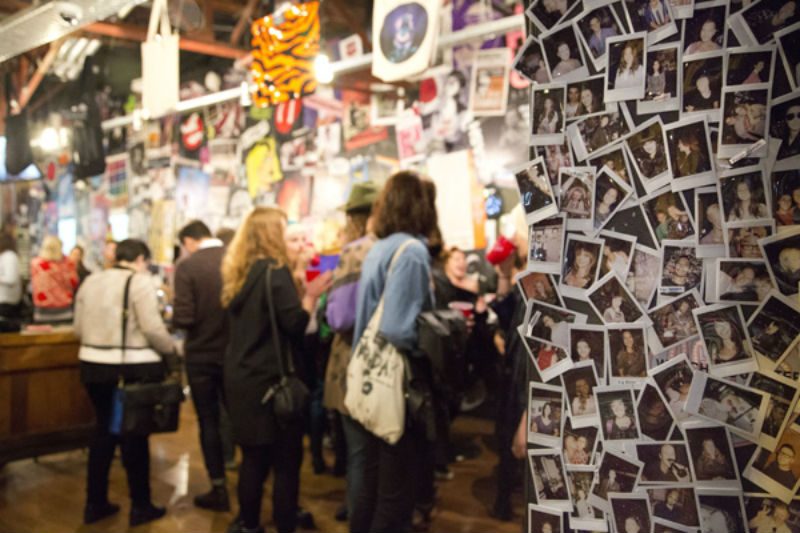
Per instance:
x=160, y=64
x=403, y=37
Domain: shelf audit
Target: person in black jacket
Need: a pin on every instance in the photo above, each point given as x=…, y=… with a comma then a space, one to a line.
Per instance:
x=198, y=310
x=251, y=365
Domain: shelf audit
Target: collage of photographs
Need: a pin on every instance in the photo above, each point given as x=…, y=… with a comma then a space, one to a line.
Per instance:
x=662, y=287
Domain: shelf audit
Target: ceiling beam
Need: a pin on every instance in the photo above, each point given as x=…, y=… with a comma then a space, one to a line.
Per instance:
x=244, y=20
x=26, y=93
x=136, y=33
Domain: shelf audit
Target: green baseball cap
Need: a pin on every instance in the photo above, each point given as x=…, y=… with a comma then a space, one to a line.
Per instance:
x=362, y=196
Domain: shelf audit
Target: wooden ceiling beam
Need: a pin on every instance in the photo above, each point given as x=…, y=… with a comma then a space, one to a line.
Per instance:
x=244, y=20
x=138, y=33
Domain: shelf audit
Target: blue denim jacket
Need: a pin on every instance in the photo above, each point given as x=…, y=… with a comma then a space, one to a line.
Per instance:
x=408, y=290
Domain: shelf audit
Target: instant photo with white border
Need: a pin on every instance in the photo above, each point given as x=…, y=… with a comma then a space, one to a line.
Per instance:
x=689, y=528
x=638, y=315
x=582, y=150
x=739, y=123
x=728, y=289
x=662, y=32
x=713, y=432
x=557, y=516
x=556, y=223
x=555, y=455
x=569, y=264
x=669, y=282
x=553, y=129
x=791, y=73
x=578, y=73
x=711, y=113
x=658, y=342
x=743, y=361
x=518, y=64
x=660, y=179
x=668, y=101
x=644, y=513
x=599, y=62
x=702, y=177
x=617, y=377
x=739, y=517
x=774, y=261
x=614, y=435
x=791, y=386
x=633, y=276
x=617, y=184
x=790, y=306
x=603, y=468
x=576, y=195
x=709, y=248
x=712, y=411
x=540, y=438
x=675, y=403
x=557, y=367
x=546, y=206
x=597, y=354
x=632, y=86
x=589, y=415
x=617, y=263
x=764, y=479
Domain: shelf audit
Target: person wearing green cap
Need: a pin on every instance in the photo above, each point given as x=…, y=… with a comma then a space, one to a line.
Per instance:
x=341, y=315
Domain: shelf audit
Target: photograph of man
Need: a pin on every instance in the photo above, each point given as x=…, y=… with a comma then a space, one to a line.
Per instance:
x=666, y=468
x=780, y=469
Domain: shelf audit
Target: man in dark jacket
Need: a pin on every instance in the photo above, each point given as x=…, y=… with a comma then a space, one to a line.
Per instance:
x=198, y=310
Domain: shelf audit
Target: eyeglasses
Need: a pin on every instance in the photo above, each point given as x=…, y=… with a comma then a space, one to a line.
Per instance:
x=785, y=454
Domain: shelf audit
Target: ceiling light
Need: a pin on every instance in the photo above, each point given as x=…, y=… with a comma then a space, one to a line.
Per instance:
x=322, y=69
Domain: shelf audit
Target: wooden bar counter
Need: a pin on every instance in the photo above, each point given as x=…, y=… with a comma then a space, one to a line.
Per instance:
x=43, y=406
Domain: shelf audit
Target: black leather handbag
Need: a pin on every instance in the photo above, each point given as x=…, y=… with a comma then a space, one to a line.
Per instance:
x=143, y=408
x=19, y=155
x=289, y=396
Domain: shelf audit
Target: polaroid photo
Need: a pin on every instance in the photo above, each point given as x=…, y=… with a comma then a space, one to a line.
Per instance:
x=594, y=26
x=545, y=414
x=665, y=462
x=549, y=479
x=651, y=16
x=774, y=329
x=543, y=519
x=673, y=380
x=675, y=506
x=579, y=383
x=787, y=39
x=592, y=134
x=610, y=193
x=616, y=473
x=740, y=409
x=757, y=23
x=588, y=343
x=618, y=251
x=727, y=342
x=563, y=55
x=630, y=512
x=546, y=244
x=742, y=281
x=661, y=86
x=681, y=269
x=539, y=286
x=783, y=393
x=614, y=303
x=782, y=253
x=720, y=510
x=693, y=348
x=579, y=444
x=580, y=266
x=529, y=62
x=625, y=75
x=745, y=120
x=549, y=359
x=546, y=14
x=673, y=321
x=778, y=471
x=551, y=323
x=668, y=216
x=627, y=354
x=655, y=420
x=584, y=516
x=705, y=31
x=689, y=147
x=489, y=85
x=585, y=98
x=785, y=187
x=641, y=281
x=535, y=191
x=712, y=459
x=576, y=187
x=385, y=108
x=784, y=120
x=547, y=113
x=701, y=85
x=618, y=416
x=749, y=65
x=710, y=231
x=767, y=513
x=682, y=9
x=556, y=156
x=741, y=238
x=647, y=147
x=615, y=159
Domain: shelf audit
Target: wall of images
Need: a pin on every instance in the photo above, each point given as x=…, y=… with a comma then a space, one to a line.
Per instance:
x=662, y=317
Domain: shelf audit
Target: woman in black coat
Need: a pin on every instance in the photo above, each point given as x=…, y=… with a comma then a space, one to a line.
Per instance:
x=252, y=365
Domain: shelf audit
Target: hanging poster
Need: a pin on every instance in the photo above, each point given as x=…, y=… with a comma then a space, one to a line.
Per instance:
x=294, y=195
x=117, y=180
x=453, y=175
x=403, y=37
x=489, y=86
x=262, y=166
x=357, y=128
x=191, y=194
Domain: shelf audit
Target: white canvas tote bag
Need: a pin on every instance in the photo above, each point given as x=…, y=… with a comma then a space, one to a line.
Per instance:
x=160, y=64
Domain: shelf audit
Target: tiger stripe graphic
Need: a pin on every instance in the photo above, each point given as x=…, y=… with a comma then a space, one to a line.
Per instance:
x=284, y=49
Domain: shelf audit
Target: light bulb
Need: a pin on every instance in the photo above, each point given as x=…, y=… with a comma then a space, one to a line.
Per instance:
x=322, y=69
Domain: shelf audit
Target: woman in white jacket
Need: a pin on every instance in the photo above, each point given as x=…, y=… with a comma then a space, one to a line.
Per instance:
x=98, y=325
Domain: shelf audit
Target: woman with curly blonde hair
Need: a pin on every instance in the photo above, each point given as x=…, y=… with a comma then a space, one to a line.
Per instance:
x=258, y=254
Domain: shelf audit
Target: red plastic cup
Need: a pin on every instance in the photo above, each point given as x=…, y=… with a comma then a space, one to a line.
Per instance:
x=466, y=308
x=311, y=274
x=501, y=251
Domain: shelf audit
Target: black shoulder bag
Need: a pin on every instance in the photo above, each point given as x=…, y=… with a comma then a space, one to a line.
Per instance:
x=143, y=408
x=18, y=145
x=289, y=396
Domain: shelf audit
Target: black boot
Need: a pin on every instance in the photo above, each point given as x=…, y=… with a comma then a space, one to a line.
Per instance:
x=237, y=526
x=215, y=500
x=141, y=514
x=94, y=512
x=341, y=513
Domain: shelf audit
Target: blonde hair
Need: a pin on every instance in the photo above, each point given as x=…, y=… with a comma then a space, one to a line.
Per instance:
x=259, y=237
x=51, y=249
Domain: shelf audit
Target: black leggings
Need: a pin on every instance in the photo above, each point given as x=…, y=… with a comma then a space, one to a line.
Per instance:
x=284, y=456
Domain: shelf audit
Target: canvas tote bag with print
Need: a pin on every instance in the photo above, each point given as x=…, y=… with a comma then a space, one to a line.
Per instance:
x=160, y=64
x=375, y=396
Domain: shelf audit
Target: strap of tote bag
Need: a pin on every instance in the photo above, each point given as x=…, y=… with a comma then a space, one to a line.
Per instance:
x=284, y=364
x=375, y=321
x=125, y=316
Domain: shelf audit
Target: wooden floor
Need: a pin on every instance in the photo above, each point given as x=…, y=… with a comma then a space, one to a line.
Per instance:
x=48, y=495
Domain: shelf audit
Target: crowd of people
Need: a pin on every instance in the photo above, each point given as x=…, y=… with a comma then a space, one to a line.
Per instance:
x=233, y=350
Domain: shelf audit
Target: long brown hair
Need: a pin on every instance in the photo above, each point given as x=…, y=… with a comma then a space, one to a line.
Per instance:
x=260, y=236
x=404, y=205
